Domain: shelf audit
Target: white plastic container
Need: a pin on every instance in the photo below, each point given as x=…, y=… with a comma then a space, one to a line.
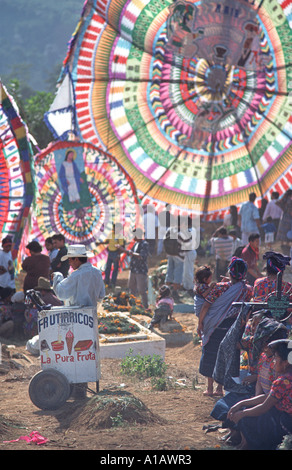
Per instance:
x=69, y=354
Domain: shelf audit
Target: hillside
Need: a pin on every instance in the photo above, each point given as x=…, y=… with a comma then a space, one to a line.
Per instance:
x=34, y=38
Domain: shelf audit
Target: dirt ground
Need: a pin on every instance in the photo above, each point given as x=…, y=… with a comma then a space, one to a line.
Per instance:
x=171, y=420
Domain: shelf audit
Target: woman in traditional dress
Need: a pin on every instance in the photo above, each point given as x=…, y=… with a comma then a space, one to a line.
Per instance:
x=264, y=420
x=264, y=286
x=216, y=315
x=260, y=376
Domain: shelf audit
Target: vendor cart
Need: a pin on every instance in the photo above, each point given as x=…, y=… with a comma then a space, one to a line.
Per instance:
x=69, y=354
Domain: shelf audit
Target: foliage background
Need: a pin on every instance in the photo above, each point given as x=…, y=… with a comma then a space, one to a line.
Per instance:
x=34, y=41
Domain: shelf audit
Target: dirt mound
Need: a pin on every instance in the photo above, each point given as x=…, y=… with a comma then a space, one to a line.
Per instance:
x=109, y=409
x=7, y=424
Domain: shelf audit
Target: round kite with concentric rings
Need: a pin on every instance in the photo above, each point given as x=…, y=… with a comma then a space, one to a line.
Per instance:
x=191, y=97
x=82, y=197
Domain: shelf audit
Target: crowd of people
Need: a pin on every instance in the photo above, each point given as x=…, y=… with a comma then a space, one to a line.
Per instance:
x=49, y=275
x=257, y=408
x=254, y=404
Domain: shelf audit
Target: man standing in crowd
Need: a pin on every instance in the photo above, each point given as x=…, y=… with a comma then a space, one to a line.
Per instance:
x=138, y=279
x=57, y=265
x=84, y=286
x=7, y=282
x=273, y=210
x=249, y=218
x=222, y=246
x=250, y=254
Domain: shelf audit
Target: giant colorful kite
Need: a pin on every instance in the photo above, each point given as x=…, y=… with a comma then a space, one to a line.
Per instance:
x=16, y=181
x=191, y=97
x=82, y=192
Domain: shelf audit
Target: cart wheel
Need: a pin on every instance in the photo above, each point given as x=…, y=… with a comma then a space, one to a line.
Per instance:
x=49, y=389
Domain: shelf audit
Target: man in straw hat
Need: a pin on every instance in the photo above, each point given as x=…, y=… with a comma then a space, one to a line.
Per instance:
x=47, y=293
x=84, y=286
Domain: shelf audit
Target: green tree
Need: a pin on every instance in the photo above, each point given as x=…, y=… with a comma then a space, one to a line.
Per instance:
x=35, y=107
x=32, y=108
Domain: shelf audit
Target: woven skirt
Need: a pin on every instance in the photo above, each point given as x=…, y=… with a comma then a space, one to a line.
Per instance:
x=210, y=350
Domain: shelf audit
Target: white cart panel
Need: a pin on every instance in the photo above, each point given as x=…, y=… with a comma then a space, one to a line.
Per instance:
x=68, y=338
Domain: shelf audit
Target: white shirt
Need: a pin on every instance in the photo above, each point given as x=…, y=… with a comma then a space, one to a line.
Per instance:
x=84, y=287
x=5, y=279
x=272, y=210
x=223, y=247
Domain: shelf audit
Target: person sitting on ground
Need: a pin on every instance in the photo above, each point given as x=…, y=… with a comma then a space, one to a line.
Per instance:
x=6, y=318
x=264, y=420
x=260, y=367
x=164, y=307
x=47, y=293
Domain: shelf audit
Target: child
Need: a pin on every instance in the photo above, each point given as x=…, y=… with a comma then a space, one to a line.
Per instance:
x=203, y=284
x=270, y=230
x=164, y=307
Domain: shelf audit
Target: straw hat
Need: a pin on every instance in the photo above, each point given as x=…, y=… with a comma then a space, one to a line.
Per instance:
x=77, y=251
x=43, y=284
